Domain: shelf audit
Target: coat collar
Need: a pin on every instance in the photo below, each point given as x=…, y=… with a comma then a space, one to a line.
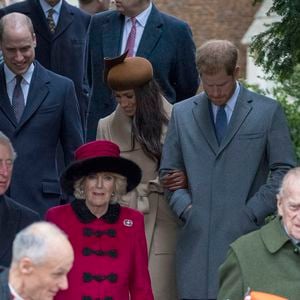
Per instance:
x=274, y=235
x=202, y=115
x=85, y=216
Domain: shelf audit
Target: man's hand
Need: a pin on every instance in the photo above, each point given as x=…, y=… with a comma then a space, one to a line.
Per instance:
x=174, y=180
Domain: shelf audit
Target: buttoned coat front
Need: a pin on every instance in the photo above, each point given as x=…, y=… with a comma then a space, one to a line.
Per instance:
x=64, y=51
x=110, y=253
x=231, y=187
x=163, y=34
x=161, y=224
x=51, y=115
x=265, y=260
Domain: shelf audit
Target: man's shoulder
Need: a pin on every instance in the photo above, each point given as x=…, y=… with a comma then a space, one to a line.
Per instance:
x=25, y=211
x=105, y=15
x=258, y=99
x=77, y=11
x=22, y=7
x=189, y=103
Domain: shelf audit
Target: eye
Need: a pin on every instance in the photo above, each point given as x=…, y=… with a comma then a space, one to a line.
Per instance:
x=108, y=177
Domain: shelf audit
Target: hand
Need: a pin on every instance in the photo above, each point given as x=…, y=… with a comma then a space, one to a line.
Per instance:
x=174, y=180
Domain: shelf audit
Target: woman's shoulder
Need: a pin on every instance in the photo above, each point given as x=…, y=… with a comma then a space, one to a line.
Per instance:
x=58, y=211
x=131, y=214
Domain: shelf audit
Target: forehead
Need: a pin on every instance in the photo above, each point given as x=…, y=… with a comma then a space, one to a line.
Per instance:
x=5, y=151
x=17, y=36
x=217, y=78
x=124, y=92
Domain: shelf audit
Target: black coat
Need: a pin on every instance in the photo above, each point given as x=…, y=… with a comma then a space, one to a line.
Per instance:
x=13, y=218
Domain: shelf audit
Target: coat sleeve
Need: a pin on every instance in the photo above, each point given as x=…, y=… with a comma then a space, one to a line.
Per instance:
x=186, y=81
x=71, y=134
x=281, y=158
x=172, y=159
x=140, y=283
x=231, y=280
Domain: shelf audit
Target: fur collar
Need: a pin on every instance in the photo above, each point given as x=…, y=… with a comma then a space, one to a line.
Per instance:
x=85, y=216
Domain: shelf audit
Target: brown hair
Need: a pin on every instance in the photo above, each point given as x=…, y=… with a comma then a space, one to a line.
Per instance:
x=217, y=55
x=149, y=119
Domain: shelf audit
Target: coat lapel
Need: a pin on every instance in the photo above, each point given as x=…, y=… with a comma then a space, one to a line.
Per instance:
x=112, y=35
x=38, y=91
x=66, y=17
x=5, y=104
x=37, y=16
x=240, y=112
x=202, y=116
x=151, y=35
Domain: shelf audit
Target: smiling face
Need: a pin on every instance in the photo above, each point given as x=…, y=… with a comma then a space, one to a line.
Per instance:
x=6, y=167
x=17, y=46
x=219, y=87
x=288, y=205
x=98, y=189
x=127, y=101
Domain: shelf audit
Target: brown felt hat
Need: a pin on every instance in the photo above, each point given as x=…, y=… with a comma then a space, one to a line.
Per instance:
x=125, y=73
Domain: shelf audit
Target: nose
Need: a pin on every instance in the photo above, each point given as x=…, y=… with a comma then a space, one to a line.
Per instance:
x=215, y=91
x=19, y=56
x=124, y=102
x=63, y=285
x=99, y=181
x=4, y=169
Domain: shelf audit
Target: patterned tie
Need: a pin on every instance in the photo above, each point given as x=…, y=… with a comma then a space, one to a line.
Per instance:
x=18, y=102
x=131, y=38
x=221, y=123
x=50, y=20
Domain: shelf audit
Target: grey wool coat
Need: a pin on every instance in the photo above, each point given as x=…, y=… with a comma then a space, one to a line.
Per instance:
x=265, y=260
x=231, y=187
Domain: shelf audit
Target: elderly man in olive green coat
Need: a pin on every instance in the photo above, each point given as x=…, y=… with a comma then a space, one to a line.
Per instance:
x=268, y=259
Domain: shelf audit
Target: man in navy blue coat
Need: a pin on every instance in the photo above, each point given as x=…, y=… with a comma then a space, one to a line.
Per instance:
x=13, y=216
x=164, y=40
x=50, y=116
x=63, y=51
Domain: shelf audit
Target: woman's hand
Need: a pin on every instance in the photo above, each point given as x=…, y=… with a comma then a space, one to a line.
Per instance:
x=174, y=180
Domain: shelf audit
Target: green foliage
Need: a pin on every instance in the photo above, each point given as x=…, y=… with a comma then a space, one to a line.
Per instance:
x=277, y=49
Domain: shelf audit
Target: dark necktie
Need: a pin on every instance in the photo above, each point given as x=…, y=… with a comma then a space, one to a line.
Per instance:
x=131, y=38
x=221, y=123
x=50, y=20
x=18, y=102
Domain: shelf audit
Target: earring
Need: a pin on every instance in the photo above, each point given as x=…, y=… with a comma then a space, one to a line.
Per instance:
x=81, y=193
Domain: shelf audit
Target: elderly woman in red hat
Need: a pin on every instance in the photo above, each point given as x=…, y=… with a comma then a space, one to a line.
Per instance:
x=109, y=241
x=138, y=126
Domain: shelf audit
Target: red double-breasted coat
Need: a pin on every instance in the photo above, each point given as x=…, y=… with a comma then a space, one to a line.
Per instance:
x=110, y=253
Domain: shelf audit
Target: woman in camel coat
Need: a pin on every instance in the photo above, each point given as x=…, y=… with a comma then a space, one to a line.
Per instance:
x=138, y=126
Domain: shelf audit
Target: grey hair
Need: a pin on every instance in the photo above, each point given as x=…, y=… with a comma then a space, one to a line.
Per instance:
x=34, y=242
x=4, y=140
x=119, y=187
x=293, y=174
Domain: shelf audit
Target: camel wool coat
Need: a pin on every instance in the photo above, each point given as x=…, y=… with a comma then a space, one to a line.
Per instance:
x=161, y=224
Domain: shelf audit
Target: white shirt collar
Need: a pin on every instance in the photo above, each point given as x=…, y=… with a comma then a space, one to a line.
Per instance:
x=143, y=16
x=9, y=75
x=45, y=6
x=14, y=293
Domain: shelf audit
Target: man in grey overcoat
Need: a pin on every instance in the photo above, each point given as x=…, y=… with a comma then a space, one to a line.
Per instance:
x=235, y=147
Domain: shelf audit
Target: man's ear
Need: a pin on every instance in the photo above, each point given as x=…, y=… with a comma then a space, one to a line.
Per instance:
x=26, y=266
x=236, y=72
x=279, y=205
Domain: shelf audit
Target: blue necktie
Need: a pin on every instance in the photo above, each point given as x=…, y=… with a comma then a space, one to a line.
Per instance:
x=221, y=123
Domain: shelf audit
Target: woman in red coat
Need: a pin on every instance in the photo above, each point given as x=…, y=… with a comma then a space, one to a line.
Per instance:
x=108, y=240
